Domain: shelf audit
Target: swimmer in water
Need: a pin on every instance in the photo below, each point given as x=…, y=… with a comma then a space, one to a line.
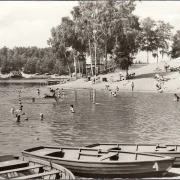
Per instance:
x=12, y=110
x=114, y=94
x=41, y=116
x=17, y=118
x=176, y=97
x=38, y=91
x=72, y=108
x=21, y=106
x=33, y=99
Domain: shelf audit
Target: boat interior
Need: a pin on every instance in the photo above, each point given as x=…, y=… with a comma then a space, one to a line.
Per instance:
x=23, y=168
x=93, y=154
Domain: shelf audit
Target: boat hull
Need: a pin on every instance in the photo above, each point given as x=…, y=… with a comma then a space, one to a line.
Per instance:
x=164, y=150
x=110, y=169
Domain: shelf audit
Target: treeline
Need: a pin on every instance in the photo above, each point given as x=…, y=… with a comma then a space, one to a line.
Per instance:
x=31, y=60
x=98, y=28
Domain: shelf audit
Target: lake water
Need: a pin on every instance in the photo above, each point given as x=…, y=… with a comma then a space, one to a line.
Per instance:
x=130, y=118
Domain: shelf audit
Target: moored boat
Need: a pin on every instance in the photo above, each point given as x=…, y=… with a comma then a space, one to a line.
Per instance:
x=28, y=168
x=166, y=150
x=93, y=163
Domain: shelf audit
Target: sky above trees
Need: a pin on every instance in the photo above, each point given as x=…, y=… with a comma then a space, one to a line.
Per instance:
x=28, y=23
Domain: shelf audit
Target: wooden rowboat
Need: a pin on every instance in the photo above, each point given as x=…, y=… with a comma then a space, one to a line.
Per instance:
x=29, y=168
x=165, y=150
x=87, y=162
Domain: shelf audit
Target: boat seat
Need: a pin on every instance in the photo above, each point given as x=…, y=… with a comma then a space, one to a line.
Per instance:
x=171, y=148
x=12, y=163
x=106, y=156
x=21, y=169
x=39, y=175
x=115, y=148
x=167, y=149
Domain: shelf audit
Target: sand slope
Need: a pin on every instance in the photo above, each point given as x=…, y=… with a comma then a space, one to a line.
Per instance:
x=143, y=81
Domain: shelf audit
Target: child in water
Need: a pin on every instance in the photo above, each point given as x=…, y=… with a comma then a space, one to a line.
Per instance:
x=38, y=91
x=33, y=99
x=72, y=108
x=17, y=118
x=12, y=110
x=41, y=116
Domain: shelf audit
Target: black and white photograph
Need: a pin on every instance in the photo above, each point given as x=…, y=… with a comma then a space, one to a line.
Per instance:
x=90, y=89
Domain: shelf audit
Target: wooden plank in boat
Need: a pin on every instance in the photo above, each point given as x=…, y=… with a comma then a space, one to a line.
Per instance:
x=12, y=163
x=38, y=175
x=106, y=156
x=21, y=169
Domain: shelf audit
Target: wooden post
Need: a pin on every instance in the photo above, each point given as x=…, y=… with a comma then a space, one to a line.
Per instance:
x=75, y=95
x=94, y=96
x=90, y=94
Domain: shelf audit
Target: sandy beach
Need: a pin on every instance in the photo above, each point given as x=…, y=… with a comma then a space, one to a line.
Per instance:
x=144, y=79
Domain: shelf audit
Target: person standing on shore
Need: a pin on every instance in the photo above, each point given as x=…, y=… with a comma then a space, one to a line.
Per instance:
x=176, y=97
x=132, y=86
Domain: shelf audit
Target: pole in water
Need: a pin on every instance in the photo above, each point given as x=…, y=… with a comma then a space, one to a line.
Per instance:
x=75, y=95
x=94, y=95
x=90, y=94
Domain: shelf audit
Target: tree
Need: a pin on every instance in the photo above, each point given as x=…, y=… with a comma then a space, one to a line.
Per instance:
x=175, y=53
x=148, y=36
x=163, y=37
x=126, y=35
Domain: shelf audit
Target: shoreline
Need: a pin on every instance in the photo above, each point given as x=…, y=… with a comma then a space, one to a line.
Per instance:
x=144, y=80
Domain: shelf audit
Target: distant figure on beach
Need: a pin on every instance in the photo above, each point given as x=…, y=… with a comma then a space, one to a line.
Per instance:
x=132, y=86
x=33, y=99
x=72, y=108
x=120, y=75
x=63, y=93
x=54, y=96
x=58, y=93
x=166, y=67
x=38, y=91
x=117, y=88
x=51, y=90
x=176, y=97
x=158, y=86
x=12, y=110
x=41, y=116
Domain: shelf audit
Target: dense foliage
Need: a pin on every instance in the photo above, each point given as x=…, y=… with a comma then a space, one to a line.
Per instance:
x=175, y=53
x=97, y=28
x=31, y=59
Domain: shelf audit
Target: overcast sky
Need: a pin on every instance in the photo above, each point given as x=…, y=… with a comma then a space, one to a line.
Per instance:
x=28, y=23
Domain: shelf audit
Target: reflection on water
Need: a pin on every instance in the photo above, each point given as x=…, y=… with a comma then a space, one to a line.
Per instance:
x=130, y=117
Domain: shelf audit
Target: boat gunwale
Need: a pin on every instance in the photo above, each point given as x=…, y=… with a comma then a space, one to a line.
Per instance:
x=28, y=160
x=93, y=146
x=164, y=158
